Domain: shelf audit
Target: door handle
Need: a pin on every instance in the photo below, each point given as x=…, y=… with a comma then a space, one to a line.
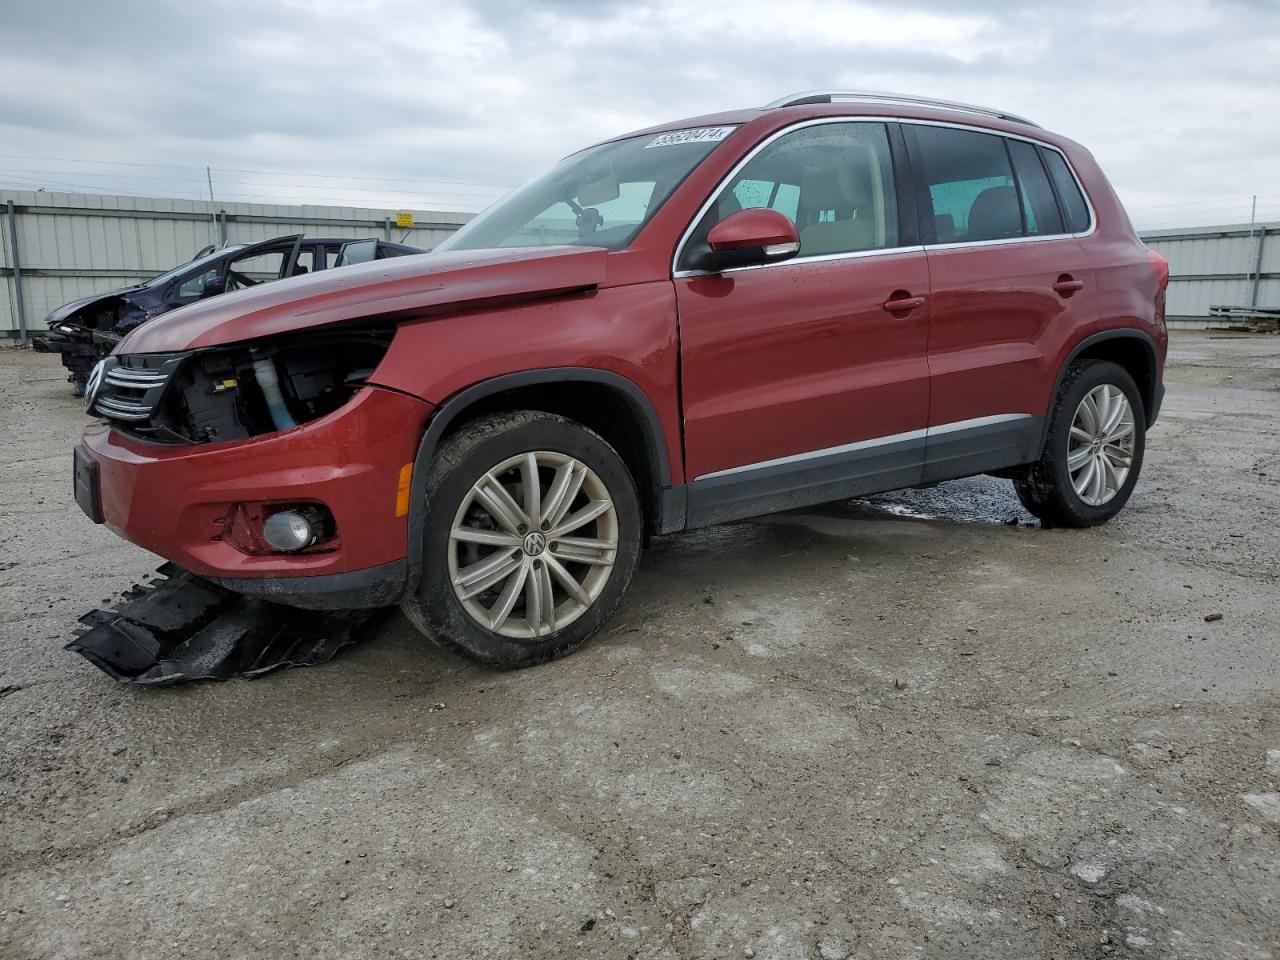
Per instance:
x=1067, y=285
x=902, y=302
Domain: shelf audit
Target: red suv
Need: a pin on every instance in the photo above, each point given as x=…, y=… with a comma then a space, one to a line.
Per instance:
x=834, y=295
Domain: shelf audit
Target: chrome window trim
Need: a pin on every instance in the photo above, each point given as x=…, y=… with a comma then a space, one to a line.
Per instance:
x=677, y=274
x=908, y=435
x=796, y=261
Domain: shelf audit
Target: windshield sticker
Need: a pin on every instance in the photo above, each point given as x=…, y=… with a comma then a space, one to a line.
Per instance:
x=696, y=135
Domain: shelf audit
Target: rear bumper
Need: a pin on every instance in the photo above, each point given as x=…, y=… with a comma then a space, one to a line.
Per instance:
x=175, y=500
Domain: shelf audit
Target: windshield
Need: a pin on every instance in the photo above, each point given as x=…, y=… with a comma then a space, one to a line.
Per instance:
x=598, y=197
x=209, y=258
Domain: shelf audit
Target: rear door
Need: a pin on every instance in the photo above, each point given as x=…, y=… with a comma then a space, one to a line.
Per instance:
x=1009, y=283
x=807, y=380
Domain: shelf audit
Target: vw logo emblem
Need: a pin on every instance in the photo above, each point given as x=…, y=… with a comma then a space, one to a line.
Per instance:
x=93, y=384
x=535, y=543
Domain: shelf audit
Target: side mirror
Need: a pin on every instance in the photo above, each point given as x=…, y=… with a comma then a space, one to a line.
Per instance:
x=748, y=238
x=214, y=285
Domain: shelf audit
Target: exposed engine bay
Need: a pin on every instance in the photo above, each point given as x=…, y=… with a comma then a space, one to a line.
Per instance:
x=240, y=391
x=86, y=334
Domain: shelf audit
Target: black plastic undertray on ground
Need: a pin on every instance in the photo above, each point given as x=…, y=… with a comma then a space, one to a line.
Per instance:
x=182, y=627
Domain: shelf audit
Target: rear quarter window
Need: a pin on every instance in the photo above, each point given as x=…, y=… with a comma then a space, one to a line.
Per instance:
x=1039, y=208
x=1074, y=209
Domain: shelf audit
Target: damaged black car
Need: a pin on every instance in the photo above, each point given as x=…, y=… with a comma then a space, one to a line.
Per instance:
x=86, y=330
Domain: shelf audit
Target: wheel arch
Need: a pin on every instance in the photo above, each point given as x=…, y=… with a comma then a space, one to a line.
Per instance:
x=606, y=402
x=1132, y=349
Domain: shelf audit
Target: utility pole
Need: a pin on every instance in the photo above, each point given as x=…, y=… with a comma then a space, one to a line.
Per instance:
x=19, y=302
x=212, y=215
x=1253, y=210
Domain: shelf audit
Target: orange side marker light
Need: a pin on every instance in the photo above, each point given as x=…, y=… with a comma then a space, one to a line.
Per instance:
x=402, y=490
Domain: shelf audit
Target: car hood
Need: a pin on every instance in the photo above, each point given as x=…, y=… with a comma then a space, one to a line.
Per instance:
x=67, y=309
x=393, y=289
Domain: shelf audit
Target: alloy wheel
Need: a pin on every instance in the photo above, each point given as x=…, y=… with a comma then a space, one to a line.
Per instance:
x=533, y=544
x=1101, y=446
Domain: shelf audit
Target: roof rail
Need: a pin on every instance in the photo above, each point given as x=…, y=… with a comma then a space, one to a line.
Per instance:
x=877, y=96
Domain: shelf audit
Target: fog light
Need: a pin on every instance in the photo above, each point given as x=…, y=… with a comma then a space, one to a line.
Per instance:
x=291, y=529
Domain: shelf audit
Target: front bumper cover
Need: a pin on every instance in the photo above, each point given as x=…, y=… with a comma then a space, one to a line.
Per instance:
x=182, y=627
x=360, y=589
x=174, y=500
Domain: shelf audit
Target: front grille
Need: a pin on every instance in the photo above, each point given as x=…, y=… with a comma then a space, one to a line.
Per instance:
x=129, y=388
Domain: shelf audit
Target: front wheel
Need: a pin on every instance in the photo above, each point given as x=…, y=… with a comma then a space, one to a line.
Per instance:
x=531, y=535
x=1094, y=449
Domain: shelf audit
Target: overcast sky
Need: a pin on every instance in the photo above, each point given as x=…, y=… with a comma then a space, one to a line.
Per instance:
x=445, y=104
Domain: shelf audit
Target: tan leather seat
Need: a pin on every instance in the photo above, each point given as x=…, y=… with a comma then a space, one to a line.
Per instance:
x=837, y=236
x=836, y=191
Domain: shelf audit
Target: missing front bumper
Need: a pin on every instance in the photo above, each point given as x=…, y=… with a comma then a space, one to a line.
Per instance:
x=184, y=627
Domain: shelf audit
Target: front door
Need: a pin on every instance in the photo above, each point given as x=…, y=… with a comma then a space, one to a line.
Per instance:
x=1011, y=285
x=807, y=380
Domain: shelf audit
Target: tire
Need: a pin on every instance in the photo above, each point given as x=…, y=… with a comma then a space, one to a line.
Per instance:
x=462, y=507
x=1047, y=489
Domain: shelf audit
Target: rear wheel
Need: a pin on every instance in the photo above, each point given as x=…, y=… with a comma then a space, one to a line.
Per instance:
x=1094, y=450
x=531, y=536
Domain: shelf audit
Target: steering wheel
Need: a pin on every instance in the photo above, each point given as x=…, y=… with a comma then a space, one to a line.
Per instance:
x=242, y=279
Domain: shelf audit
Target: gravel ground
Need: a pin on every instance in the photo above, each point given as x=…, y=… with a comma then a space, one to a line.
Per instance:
x=904, y=727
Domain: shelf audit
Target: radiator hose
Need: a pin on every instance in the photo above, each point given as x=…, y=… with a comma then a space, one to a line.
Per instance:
x=264, y=370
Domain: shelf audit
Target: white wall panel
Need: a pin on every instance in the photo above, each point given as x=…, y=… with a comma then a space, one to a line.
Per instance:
x=80, y=253
x=1215, y=266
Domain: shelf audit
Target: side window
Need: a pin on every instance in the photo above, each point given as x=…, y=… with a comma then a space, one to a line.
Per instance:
x=192, y=288
x=970, y=185
x=835, y=180
x=1039, y=208
x=783, y=197
x=1073, y=206
x=306, y=262
x=255, y=269
x=357, y=251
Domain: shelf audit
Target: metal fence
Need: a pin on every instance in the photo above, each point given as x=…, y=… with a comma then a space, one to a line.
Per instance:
x=1231, y=266
x=57, y=247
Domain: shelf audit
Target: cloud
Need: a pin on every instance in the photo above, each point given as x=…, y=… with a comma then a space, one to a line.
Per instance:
x=380, y=101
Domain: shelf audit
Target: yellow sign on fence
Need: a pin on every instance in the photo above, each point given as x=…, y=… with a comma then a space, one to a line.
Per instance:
x=404, y=219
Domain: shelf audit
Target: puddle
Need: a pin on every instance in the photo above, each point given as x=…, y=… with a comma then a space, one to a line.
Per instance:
x=971, y=500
